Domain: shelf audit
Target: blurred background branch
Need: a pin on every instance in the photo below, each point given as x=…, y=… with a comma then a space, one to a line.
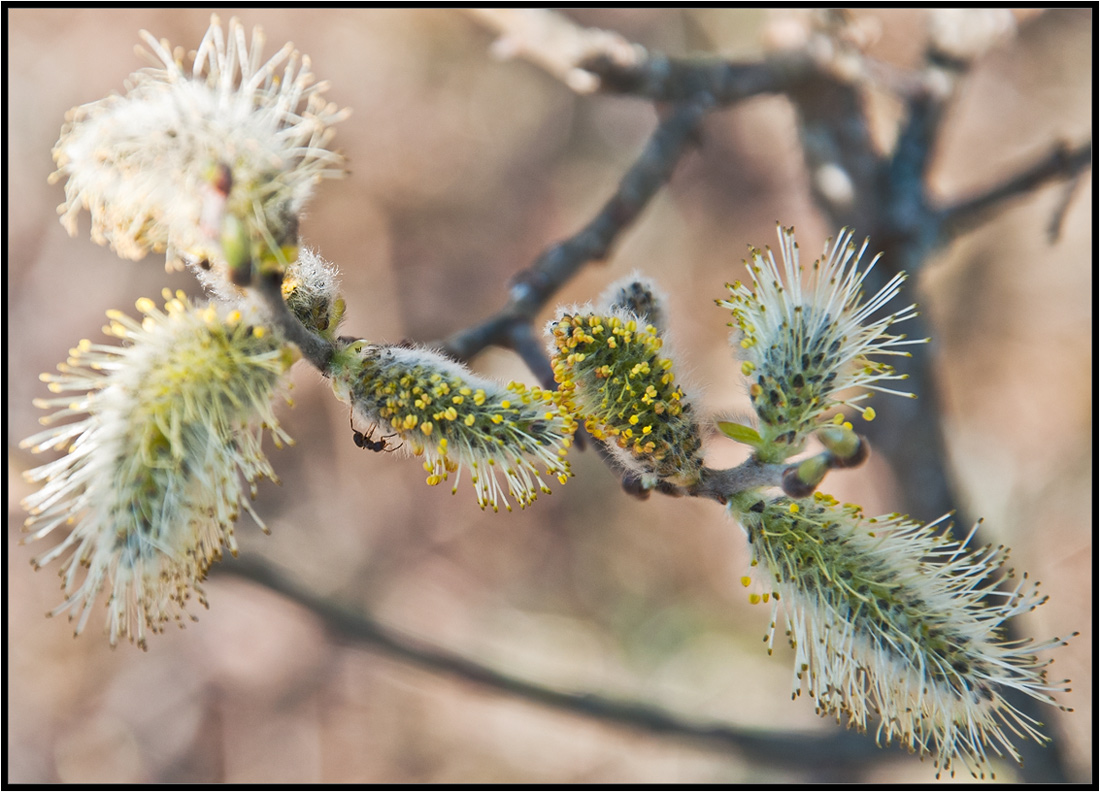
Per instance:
x=833, y=753
x=533, y=287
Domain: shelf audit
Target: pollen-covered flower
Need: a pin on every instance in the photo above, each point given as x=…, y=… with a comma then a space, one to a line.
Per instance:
x=230, y=149
x=155, y=469
x=612, y=372
x=439, y=409
x=888, y=619
x=804, y=342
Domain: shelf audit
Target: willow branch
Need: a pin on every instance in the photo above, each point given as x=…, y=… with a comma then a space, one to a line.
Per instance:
x=835, y=750
x=1063, y=162
x=884, y=194
x=531, y=289
x=663, y=79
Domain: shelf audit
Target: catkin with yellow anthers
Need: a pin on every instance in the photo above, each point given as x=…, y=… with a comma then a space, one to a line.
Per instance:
x=806, y=338
x=162, y=460
x=441, y=410
x=612, y=373
x=890, y=619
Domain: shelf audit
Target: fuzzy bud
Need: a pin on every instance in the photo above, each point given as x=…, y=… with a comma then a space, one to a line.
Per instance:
x=848, y=449
x=802, y=478
x=312, y=293
x=639, y=297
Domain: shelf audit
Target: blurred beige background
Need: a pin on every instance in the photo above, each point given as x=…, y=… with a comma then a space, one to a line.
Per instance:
x=462, y=170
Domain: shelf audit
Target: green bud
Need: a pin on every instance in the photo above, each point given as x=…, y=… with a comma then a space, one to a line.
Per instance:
x=848, y=448
x=802, y=478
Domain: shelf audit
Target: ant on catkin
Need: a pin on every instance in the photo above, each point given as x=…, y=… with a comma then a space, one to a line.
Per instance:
x=367, y=440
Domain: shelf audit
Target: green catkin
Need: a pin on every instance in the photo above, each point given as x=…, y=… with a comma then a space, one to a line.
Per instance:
x=889, y=619
x=803, y=343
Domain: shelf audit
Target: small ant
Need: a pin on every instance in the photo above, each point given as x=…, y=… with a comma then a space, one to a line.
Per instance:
x=367, y=440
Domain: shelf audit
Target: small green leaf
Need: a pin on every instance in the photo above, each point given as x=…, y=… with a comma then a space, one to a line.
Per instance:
x=740, y=433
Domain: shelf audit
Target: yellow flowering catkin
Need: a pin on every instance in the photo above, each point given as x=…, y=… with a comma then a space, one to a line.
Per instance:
x=442, y=411
x=154, y=472
x=611, y=371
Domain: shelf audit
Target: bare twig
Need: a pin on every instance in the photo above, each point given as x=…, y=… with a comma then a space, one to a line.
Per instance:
x=1063, y=162
x=1058, y=216
x=531, y=289
x=663, y=79
x=829, y=752
x=555, y=43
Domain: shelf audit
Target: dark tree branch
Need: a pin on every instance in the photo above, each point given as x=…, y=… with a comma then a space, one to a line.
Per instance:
x=1063, y=162
x=531, y=289
x=663, y=79
x=836, y=751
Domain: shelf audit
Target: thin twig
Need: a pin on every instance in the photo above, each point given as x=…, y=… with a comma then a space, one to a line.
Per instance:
x=1063, y=162
x=836, y=750
x=554, y=42
x=664, y=79
x=532, y=288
